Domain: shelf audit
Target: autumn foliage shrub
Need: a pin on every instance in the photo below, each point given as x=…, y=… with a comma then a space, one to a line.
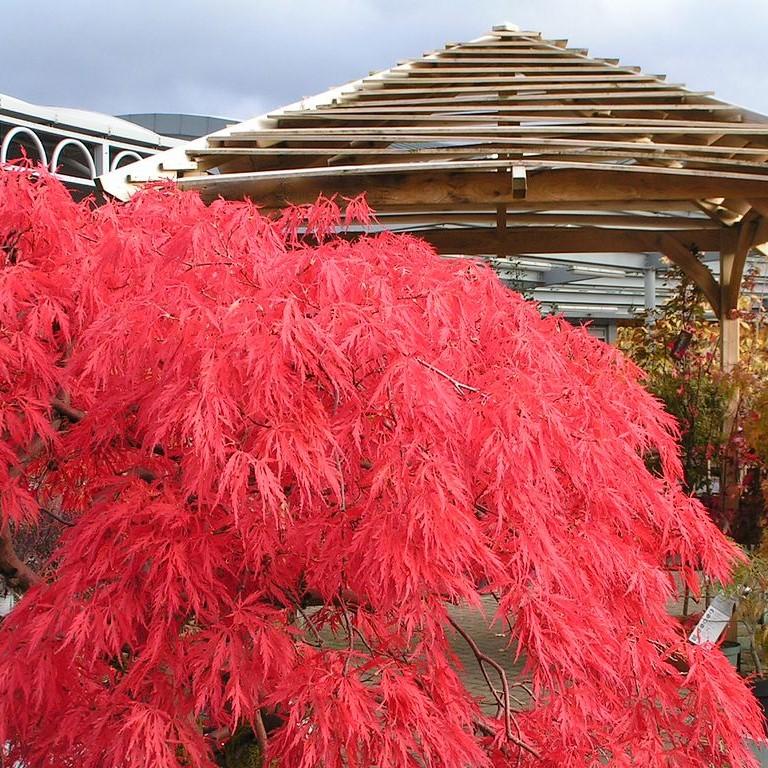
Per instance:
x=242, y=417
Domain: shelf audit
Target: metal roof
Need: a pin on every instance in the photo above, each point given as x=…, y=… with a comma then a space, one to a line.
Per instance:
x=82, y=120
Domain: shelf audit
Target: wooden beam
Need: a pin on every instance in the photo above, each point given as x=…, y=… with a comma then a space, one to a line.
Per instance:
x=736, y=256
x=717, y=212
x=436, y=68
x=443, y=187
x=517, y=216
x=519, y=182
x=400, y=78
x=686, y=259
x=565, y=208
x=761, y=234
x=479, y=241
x=760, y=206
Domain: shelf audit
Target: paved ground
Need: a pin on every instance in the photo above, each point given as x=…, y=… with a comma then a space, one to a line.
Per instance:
x=494, y=642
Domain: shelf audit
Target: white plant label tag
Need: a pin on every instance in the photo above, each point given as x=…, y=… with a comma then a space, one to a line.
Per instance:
x=714, y=621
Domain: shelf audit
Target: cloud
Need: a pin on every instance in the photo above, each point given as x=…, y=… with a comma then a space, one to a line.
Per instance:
x=240, y=57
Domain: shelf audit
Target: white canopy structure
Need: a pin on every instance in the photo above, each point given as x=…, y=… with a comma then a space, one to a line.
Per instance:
x=75, y=144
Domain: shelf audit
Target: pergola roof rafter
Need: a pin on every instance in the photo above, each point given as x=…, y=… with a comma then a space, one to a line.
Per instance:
x=550, y=150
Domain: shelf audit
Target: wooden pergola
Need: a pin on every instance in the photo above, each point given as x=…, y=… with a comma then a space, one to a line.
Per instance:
x=511, y=144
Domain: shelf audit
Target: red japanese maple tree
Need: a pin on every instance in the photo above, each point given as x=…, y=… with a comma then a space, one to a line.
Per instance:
x=242, y=417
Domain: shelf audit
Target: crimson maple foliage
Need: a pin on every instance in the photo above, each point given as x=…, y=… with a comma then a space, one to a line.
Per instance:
x=243, y=416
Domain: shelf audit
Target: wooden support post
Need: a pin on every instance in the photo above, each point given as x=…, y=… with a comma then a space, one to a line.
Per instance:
x=729, y=325
x=729, y=358
x=649, y=284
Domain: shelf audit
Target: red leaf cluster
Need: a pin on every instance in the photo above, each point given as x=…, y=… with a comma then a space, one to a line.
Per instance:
x=245, y=415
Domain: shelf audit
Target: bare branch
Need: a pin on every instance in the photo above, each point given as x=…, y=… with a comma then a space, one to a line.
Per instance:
x=350, y=635
x=482, y=659
x=55, y=517
x=459, y=385
x=311, y=624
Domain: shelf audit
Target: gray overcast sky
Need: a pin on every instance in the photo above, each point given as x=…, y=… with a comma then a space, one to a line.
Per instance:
x=238, y=58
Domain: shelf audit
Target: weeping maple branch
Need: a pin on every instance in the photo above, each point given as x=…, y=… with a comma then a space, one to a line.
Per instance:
x=57, y=518
x=483, y=659
x=460, y=386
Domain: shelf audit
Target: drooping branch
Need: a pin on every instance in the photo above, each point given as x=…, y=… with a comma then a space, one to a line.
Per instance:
x=460, y=386
x=483, y=659
x=57, y=518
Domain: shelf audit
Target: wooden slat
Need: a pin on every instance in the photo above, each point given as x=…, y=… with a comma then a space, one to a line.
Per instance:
x=469, y=57
x=453, y=166
x=485, y=52
x=402, y=77
x=460, y=133
x=391, y=96
x=494, y=101
x=435, y=105
x=510, y=46
x=673, y=124
x=376, y=88
x=495, y=145
x=492, y=46
x=510, y=56
x=467, y=85
x=510, y=114
x=437, y=69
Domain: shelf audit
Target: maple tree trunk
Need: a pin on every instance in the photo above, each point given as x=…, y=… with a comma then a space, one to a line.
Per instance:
x=16, y=572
